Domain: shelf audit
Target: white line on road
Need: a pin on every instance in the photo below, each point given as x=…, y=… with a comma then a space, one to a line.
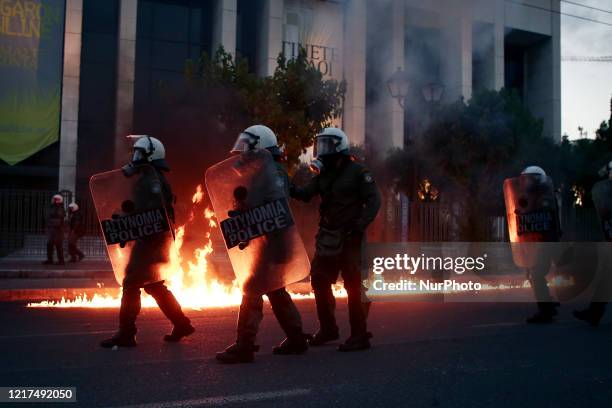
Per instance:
x=224, y=400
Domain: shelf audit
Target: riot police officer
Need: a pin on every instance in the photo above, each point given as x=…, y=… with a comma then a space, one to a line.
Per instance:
x=147, y=253
x=540, y=192
x=76, y=232
x=350, y=201
x=54, y=223
x=602, y=198
x=251, y=307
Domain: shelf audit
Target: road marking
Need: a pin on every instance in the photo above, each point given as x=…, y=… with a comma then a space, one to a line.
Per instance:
x=224, y=400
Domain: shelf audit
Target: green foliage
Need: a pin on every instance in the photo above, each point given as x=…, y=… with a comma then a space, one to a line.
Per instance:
x=470, y=148
x=467, y=151
x=296, y=102
x=582, y=159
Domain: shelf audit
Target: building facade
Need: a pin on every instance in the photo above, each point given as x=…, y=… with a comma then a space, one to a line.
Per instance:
x=116, y=51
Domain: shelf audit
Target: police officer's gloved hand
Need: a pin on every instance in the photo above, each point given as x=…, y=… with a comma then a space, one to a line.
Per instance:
x=129, y=170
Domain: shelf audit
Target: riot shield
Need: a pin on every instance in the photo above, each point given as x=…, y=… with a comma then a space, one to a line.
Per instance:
x=602, y=198
x=134, y=223
x=250, y=200
x=531, y=212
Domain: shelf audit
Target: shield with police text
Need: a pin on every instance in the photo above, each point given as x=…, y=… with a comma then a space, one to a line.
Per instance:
x=249, y=196
x=602, y=198
x=134, y=223
x=532, y=215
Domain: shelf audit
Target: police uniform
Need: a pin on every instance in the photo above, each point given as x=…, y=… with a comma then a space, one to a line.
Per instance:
x=55, y=232
x=251, y=307
x=142, y=268
x=76, y=232
x=350, y=201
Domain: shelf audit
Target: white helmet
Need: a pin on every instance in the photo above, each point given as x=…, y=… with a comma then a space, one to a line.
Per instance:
x=57, y=198
x=256, y=137
x=330, y=141
x=535, y=171
x=73, y=207
x=148, y=149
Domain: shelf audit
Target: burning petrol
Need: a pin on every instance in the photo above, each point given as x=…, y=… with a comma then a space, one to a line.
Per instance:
x=189, y=274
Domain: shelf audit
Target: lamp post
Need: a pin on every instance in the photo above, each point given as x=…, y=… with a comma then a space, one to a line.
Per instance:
x=398, y=86
x=432, y=92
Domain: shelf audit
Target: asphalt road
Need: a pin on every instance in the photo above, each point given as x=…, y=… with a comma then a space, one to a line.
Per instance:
x=423, y=355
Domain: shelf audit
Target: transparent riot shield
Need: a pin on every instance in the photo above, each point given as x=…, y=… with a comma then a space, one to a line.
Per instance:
x=134, y=223
x=531, y=212
x=602, y=198
x=250, y=200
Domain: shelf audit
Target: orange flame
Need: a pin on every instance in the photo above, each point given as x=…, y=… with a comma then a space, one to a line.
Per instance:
x=188, y=276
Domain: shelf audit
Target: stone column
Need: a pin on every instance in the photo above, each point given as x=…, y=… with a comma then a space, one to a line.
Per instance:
x=270, y=36
x=457, y=54
x=397, y=60
x=499, y=54
x=543, y=79
x=354, y=61
x=224, y=18
x=556, y=71
x=70, y=95
x=126, y=60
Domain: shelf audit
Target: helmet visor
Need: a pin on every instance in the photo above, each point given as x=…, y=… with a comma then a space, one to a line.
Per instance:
x=244, y=143
x=139, y=155
x=326, y=145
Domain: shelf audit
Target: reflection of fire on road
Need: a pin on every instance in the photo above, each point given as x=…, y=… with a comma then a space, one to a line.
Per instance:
x=188, y=275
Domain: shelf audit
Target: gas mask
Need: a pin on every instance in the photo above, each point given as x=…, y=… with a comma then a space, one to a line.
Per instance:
x=139, y=156
x=325, y=152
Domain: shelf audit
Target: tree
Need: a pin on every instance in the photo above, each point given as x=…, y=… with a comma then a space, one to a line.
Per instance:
x=582, y=159
x=296, y=102
x=468, y=150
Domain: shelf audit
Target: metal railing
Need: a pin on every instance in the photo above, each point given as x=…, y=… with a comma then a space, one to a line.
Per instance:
x=22, y=221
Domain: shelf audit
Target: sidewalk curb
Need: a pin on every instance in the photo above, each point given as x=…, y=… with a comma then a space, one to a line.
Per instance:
x=54, y=273
x=56, y=294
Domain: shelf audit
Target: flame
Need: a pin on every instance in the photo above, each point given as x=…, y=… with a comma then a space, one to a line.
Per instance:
x=426, y=191
x=188, y=276
x=198, y=195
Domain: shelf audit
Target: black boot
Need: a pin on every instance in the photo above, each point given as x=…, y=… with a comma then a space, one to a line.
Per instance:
x=592, y=315
x=296, y=345
x=237, y=354
x=171, y=308
x=178, y=332
x=355, y=343
x=545, y=314
x=120, y=340
x=323, y=336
